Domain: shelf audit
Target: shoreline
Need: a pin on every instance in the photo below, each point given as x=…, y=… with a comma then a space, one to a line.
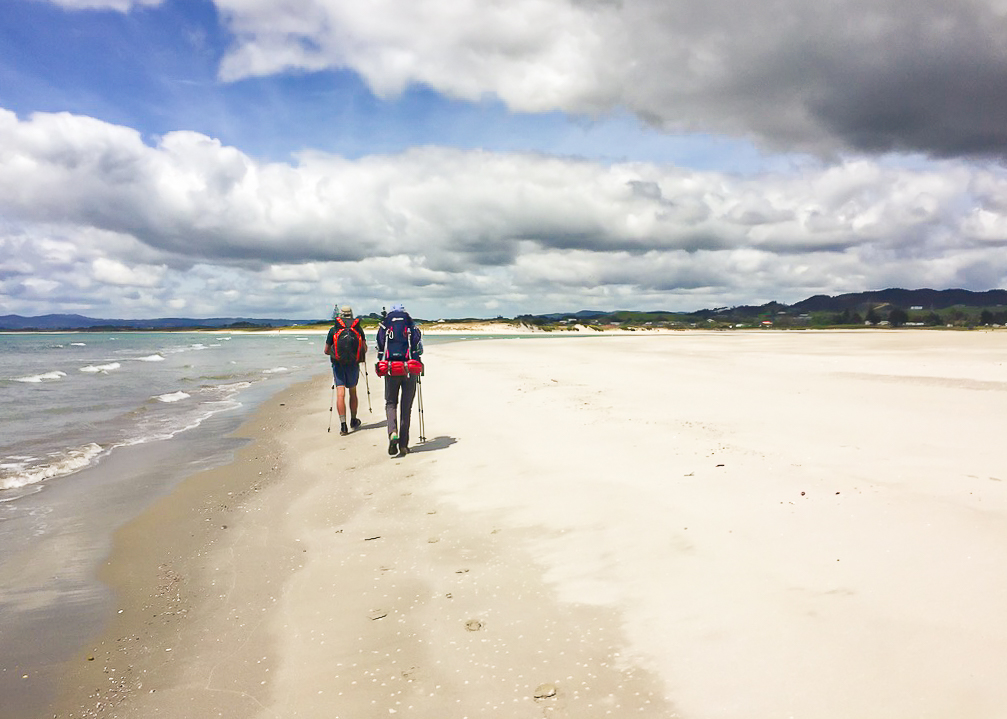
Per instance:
x=190, y=625
x=155, y=583
x=731, y=525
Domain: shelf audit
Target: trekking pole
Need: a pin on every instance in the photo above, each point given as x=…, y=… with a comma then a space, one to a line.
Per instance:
x=332, y=402
x=367, y=382
x=419, y=390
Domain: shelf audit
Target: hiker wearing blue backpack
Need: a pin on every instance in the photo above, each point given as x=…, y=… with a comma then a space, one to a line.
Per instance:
x=399, y=348
x=347, y=348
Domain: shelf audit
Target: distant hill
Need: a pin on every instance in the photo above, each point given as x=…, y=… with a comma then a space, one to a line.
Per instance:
x=856, y=302
x=963, y=307
x=581, y=315
x=79, y=322
x=927, y=299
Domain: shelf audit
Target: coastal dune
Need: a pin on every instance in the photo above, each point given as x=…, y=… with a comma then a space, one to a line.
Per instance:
x=748, y=525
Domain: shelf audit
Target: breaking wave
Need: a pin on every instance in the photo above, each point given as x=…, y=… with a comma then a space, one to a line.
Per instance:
x=101, y=368
x=45, y=377
x=173, y=397
x=22, y=471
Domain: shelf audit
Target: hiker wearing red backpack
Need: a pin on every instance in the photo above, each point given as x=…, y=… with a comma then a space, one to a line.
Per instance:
x=347, y=347
x=399, y=348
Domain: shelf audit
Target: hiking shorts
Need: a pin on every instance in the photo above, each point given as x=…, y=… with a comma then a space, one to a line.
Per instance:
x=346, y=375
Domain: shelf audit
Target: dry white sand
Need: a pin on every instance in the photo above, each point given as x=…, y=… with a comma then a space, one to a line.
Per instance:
x=697, y=525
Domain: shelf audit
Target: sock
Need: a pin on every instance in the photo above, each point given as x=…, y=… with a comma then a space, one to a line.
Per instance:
x=342, y=419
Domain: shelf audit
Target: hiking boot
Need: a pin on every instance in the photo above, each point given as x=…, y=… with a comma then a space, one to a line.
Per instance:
x=342, y=429
x=393, y=445
x=403, y=450
x=355, y=422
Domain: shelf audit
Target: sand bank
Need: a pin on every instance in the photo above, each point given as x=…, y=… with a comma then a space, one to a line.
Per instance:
x=690, y=525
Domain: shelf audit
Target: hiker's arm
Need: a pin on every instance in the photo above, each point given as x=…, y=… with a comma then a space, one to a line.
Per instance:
x=363, y=340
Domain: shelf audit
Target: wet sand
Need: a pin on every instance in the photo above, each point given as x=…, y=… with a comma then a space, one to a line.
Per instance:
x=749, y=525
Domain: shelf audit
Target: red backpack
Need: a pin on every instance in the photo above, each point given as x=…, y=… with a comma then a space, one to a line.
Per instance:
x=347, y=347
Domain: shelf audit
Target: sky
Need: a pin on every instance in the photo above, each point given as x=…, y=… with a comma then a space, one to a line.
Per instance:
x=481, y=158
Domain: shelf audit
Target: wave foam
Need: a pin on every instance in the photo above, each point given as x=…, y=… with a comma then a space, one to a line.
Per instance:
x=151, y=358
x=275, y=370
x=102, y=368
x=173, y=397
x=23, y=473
x=35, y=378
x=232, y=387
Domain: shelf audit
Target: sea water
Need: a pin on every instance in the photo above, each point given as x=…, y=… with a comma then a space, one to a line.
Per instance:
x=68, y=400
x=93, y=428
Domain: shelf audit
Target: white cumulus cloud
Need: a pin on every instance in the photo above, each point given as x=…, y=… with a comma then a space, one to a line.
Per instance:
x=90, y=204
x=114, y=272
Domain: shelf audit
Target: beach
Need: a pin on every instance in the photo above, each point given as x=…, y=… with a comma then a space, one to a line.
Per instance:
x=688, y=524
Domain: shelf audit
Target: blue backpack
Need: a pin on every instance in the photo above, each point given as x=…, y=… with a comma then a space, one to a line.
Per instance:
x=399, y=330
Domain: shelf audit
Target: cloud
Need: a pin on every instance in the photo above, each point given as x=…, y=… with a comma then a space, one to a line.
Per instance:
x=93, y=213
x=874, y=76
x=119, y=5
x=113, y=272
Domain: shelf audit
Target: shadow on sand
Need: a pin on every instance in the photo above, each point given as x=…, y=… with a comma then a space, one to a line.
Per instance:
x=432, y=445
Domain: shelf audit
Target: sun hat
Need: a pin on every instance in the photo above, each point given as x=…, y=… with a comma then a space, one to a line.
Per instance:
x=398, y=307
x=346, y=311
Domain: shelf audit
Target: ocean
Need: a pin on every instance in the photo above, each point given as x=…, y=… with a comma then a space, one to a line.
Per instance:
x=68, y=400
x=93, y=428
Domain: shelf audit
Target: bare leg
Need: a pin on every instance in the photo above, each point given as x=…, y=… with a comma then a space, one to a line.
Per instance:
x=341, y=401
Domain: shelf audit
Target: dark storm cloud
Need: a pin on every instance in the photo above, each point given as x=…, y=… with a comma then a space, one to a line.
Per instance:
x=832, y=76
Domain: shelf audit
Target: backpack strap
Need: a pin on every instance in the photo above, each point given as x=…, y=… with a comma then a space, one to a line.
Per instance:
x=362, y=345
